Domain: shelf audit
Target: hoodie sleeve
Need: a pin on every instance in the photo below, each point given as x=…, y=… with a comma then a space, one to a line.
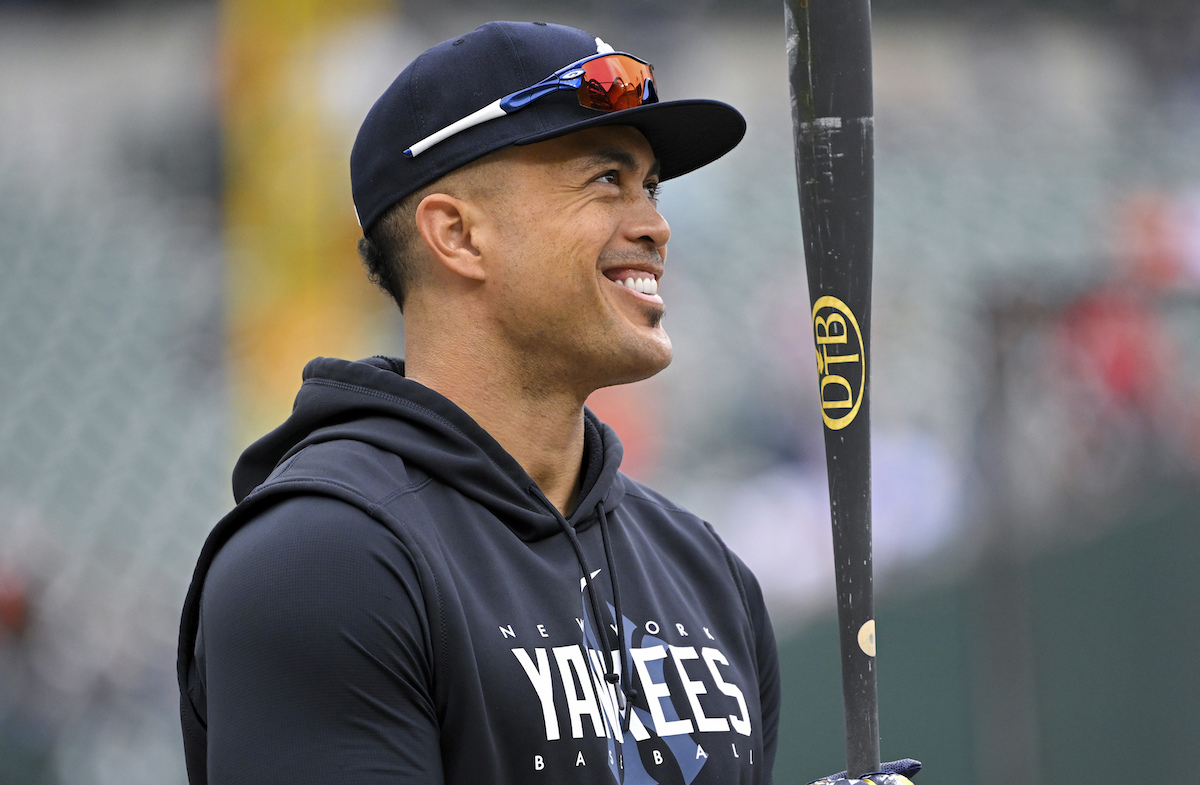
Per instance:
x=314, y=653
x=766, y=651
x=766, y=659
x=768, y=663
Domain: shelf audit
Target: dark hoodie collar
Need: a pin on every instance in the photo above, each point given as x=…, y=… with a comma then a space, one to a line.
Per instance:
x=371, y=402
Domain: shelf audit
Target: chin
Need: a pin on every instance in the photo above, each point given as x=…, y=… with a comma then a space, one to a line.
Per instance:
x=641, y=361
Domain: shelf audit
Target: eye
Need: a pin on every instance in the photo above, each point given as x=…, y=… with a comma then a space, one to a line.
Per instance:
x=612, y=177
x=653, y=190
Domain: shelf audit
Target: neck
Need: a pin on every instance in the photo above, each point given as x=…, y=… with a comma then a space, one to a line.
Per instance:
x=541, y=428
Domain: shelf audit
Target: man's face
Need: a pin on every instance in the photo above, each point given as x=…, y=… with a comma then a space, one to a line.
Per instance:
x=576, y=222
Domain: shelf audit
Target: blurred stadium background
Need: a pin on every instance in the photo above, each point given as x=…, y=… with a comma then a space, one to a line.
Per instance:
x=177, y=239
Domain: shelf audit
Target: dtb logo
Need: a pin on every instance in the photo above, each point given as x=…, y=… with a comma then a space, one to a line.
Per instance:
x=841, y=362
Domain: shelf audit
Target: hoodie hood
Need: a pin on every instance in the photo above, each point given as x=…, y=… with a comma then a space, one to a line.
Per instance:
x=370, y=401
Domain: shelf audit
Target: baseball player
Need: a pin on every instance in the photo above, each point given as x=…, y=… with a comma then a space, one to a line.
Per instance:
x=435, y=571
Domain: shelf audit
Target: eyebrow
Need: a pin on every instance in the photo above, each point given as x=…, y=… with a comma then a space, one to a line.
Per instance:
x=622, y=158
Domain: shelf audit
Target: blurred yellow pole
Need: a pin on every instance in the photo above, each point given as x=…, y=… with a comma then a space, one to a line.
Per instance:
x=294, y=287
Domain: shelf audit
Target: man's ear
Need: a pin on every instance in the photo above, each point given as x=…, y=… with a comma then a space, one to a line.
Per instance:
x=447, y=226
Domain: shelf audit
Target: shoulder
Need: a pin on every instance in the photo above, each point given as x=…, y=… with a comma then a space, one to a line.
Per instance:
x=313, y=640
x=660, y=510
x=347, y=468
x=642, y=495
x=699, y=531
x=308, y=558
x=302, y=526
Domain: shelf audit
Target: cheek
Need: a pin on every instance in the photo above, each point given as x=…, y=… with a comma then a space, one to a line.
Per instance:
x=539, y=276
x=561, y=256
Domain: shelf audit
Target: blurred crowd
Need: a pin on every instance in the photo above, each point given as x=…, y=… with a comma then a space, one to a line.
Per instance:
x=174, y=211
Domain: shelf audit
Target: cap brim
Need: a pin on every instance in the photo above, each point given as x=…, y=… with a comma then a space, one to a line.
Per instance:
x=684, y=135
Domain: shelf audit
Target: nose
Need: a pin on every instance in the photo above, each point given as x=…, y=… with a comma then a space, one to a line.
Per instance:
x=647, y=225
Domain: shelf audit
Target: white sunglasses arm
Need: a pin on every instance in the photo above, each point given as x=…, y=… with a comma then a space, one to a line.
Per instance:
x=490, y=112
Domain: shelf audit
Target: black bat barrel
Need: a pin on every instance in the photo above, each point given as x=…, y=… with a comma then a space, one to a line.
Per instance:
x=829, y=54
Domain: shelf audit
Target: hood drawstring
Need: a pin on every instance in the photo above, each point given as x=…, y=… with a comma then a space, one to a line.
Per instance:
x=626, y=694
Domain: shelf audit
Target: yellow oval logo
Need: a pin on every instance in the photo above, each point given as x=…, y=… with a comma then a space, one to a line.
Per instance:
x=841, y=362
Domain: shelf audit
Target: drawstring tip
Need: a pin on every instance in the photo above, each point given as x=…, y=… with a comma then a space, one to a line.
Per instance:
x=627, y=699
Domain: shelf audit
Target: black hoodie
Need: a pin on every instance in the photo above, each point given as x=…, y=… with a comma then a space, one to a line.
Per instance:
x=394, y=600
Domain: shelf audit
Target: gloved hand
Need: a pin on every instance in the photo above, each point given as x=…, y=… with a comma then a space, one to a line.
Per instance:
x=895, y=773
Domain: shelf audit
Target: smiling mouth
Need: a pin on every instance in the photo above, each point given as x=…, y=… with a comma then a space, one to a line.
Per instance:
x=643, y=285
x=638, y=282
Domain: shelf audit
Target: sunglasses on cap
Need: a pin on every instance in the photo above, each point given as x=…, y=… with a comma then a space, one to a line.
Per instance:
x=605, y=82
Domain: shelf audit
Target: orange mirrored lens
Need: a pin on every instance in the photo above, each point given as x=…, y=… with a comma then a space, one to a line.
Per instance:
x=611, y=84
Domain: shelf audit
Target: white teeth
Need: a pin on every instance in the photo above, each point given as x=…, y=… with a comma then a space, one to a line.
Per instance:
x=643, y=285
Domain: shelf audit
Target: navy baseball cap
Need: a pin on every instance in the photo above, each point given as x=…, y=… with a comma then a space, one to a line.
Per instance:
x=460, y=76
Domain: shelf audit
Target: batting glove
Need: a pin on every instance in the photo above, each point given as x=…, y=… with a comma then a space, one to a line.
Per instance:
x=897, y=772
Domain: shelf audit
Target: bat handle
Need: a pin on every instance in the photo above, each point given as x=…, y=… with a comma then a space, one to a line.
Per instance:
x=856, y=626
x=862, y=720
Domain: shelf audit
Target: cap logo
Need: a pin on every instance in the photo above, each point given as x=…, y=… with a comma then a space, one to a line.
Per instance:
x=603, y=48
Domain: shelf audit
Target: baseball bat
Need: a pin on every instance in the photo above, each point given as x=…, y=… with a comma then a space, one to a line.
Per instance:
x=829, y=60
